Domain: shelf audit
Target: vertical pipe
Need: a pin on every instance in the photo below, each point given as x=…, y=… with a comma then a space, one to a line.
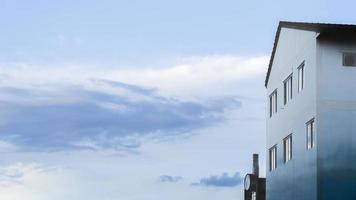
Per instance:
x=255, y=167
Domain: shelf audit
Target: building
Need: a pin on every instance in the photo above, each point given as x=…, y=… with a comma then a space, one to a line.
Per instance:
x=254, y=185
x=311, y=119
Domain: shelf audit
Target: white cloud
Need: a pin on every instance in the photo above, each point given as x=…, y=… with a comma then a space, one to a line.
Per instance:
x=7, y=147
x=20, y=173
x=189, y=77
x=95, y=174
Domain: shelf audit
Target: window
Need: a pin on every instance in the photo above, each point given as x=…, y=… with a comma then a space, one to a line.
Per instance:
x=301, y=76
x=273, y=158
x=310, y=134
x=273, y=103
x=288, y=89
x=253, y=196
x=349, y=59
x=287, y=143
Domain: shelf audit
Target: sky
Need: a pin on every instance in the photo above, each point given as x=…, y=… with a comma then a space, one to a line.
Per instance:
x=137, y=100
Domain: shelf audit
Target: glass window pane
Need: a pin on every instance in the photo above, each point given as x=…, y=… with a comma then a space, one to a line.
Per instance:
x=273, y=103
x=310, y=135
x=273, y=158
x=270, y=106
x=288, y=89
x=301, y=77
x=287, y=148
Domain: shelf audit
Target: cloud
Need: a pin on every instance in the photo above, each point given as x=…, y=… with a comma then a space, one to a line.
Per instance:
x=71, y=117
x=221, y=181
x=133, y=88
x=16, y=174
x=6, y=147
x=59, y=107
x=87, y=107
x=170, y=179
x=200, y=75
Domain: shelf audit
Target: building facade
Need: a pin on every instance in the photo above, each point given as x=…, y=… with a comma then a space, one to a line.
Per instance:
x=311, y=118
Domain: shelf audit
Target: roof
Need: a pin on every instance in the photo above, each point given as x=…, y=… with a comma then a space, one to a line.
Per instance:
x=322, y=28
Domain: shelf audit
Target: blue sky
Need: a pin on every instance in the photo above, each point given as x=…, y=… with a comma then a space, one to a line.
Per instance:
x=137, y=100
x=130, y=32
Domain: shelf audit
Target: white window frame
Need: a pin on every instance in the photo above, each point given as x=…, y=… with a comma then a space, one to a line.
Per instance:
x=301, y=77
x=287, y=148
x=288, y=89
x=310, y=132
x=273, y=103
x=273, y=158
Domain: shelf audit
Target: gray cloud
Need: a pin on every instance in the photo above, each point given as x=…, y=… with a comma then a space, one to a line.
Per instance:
x=133, y=88
x=76, y=117
x=170, y=179
x=10, y=176
x=221, y=181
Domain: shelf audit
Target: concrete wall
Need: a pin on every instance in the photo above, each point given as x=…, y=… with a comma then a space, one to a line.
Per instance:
x=336, y=114
x=296, y=179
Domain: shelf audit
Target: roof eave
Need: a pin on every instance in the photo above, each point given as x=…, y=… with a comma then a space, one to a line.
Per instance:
x=273, y=53
x=316, y=27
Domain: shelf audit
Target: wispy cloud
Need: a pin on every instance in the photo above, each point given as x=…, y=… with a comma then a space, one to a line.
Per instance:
x=129, y=87
x=187, y=76
x=170, y=179
x=16, y=174
x=76, y=107
x=224, y=180
x=119, y=110
x=74, y=117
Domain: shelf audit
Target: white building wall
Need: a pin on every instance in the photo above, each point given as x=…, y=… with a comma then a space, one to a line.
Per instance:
x=297, y=178
x=336, y=107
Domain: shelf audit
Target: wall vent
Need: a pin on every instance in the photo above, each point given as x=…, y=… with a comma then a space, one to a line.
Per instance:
x=349, y=59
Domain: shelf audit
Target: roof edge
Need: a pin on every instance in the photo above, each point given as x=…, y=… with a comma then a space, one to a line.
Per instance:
x=317, y=27
x=273, y=52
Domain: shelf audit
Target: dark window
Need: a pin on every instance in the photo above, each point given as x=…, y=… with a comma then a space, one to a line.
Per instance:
x=301, y=77
x=310, y=134
x=287, y=143
x=288, y=89
x=273, y=103
x=349, y=59
x=273, y=158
